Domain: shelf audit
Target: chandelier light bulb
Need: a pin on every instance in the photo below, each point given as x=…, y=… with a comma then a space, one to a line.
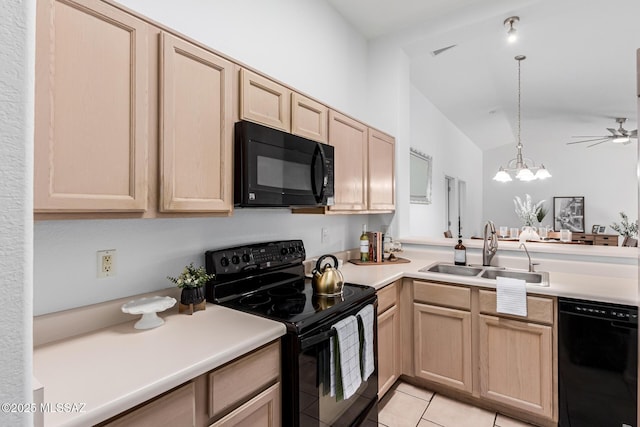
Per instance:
x=512, y=35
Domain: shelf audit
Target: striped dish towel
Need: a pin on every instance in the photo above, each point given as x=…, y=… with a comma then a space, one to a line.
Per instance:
x=346, y=376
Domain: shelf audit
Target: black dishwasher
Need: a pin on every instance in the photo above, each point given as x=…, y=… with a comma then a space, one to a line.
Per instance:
x=597, y=364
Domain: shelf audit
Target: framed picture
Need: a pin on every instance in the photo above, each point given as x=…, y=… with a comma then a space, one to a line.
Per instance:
x=568, y=214
x=594, y=229
x=602, y=229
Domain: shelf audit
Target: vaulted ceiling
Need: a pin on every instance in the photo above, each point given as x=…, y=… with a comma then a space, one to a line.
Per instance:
x=579, y=75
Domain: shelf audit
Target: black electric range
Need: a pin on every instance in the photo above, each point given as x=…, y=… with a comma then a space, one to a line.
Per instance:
x=267, y=279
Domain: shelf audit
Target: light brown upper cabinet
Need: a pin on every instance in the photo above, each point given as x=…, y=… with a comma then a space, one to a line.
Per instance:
x=309, y=118
x=381, y=171
x=196, y=131
x=349, y=139
x=91, y=108
x=264, y=101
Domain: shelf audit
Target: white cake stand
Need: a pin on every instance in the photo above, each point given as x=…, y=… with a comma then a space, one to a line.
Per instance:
x=148, y=307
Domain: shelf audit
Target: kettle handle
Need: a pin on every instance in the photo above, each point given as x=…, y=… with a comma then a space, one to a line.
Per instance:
x=319, y=262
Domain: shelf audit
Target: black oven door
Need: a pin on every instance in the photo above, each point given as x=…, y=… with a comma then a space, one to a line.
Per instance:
x=316, y=405
x=275, y=168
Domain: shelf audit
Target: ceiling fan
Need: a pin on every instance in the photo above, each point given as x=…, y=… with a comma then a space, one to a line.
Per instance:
x=618, y=136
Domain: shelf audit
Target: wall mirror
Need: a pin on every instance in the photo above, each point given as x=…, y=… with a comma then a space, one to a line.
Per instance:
x=420, y=171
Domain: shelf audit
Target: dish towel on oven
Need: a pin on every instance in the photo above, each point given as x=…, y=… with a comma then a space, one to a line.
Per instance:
x=345, y=359
x=365, y=329
x=511, y=296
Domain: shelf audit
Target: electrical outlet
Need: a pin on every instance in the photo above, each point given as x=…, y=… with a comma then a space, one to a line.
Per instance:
x=107, y=263
x=325, y=235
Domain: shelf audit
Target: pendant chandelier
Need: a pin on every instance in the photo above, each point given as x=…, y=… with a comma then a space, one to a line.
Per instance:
x=523, y=168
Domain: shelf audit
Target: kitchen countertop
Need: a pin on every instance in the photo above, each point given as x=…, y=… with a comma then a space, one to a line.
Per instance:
x=113, y=369
x=574, y=279
x=146, y=363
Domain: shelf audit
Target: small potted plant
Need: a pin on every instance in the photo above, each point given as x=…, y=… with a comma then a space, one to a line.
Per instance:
x=625, y=228
x=192, y=281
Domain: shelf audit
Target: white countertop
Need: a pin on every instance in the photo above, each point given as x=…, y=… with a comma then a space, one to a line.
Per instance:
x=583, y=280
x=113, y=369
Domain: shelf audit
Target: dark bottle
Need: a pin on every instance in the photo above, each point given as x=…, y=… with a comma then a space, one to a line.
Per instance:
x=460, y=254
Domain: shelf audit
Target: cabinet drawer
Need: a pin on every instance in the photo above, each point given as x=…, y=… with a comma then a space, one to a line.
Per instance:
x=446, y=295
x=387, y=297
x=539, y=309
x=606, y=240
x=238, y=381
x=176, y=408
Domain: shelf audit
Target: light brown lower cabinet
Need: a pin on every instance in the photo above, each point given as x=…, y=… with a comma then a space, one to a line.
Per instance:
x=261, y=411
x=515, y=364
x=176, y=408
x=462, y=346
x=245, y=392
x=389, y=340
x=443, y=345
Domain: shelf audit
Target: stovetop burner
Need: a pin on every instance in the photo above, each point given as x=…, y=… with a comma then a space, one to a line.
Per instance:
x=283, y=291
x=255, y=300
x=267, y=279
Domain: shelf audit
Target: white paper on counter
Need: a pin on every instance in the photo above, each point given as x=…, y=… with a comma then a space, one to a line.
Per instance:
x=512, y=296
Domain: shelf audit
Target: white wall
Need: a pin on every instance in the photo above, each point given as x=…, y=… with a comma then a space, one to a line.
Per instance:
x=453, y=155
x=606, y=175
x=17, y=31
x=303, y=43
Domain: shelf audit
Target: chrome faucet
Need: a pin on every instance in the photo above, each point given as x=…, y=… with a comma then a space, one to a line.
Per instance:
x=531, y=264
x=490, y=243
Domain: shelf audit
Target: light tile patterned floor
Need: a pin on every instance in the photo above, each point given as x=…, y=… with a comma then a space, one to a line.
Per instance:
x=408, y=406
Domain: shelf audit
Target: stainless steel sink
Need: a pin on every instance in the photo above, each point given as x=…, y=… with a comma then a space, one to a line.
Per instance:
x=536, y=277
x=540, y=278
x=460, y=270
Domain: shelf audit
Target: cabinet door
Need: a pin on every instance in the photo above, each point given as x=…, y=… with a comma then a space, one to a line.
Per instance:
x=264, y=101
x=388, y=349
x=309, y=118
x=91, y=108
x=516, y=364
x=349, y=139
x=261, y=411
x=442, y=338
x=196, y=145
x=381, y=171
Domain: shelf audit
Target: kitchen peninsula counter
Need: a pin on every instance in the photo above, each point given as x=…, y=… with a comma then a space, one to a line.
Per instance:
x=113, y=369
x=605, y=279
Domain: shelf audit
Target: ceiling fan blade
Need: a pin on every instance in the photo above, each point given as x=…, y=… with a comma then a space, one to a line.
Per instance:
x=596, y=143
x=590, y=136
x=615, y=132
x=633, y=133
x=605, y=139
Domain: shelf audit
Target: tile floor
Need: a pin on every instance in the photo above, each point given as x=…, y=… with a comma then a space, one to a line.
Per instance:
x=408, y=406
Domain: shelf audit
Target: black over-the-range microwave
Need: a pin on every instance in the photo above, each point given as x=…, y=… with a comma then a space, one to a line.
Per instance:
x=277, y=169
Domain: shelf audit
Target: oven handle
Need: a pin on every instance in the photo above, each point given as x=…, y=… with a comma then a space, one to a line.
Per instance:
x=317, y=338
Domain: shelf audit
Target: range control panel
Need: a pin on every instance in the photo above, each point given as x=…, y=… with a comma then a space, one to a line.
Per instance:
x=255, y=257
x=603, y=311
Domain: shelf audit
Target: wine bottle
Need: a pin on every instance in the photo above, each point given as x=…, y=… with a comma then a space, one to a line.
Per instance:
x=364, y=244
x=460, y=254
